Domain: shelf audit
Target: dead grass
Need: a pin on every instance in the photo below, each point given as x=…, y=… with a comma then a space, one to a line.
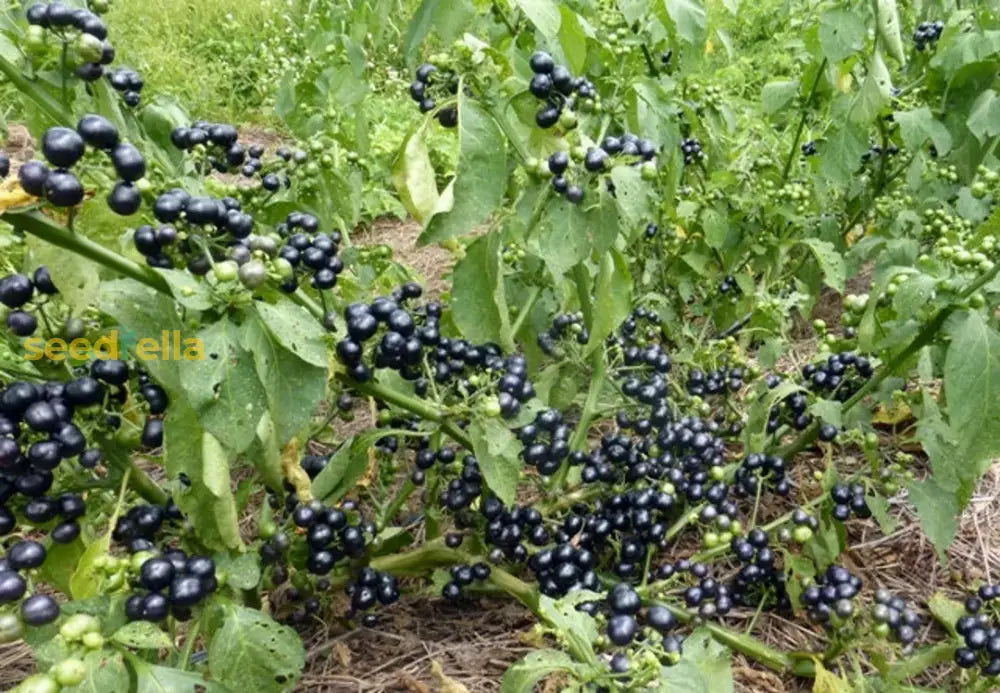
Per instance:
x=431, y=262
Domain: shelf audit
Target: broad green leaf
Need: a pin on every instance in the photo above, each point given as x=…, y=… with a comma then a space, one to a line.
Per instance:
x=566, y=234
x=938, y=510
x=984, y=116
x=188, y=291
x=413, y=176
x=572, y=39
x=224, y=388
x=841, y=34
x=613, y=298
x=291, y=363
x=875, y=91
x=946, y=611
x=106, y=671
x=419, y=27
x=841, y=155
x=544, y=14
x=831, y=263
x=498, y=452
x=60, y=564
x=634, y=197
x=242, y=570
x=682, y=677
x=712, y=660
x=972, y=391
x=85, y=580
x=265, y=453
x=479, y=306
x=346, y=466
x=142, y=635
x=477, y=188
x=889, y=30
x=157, y=679
x=880, y=511
x=776, y=95
x=919, y=125
x=579, y=629
x=689, y=18
x=913, y=294
x=252, y=652
x=77, y=278
x=830, y=411
x=719, y=234
x=523, y=674
x=208, y=501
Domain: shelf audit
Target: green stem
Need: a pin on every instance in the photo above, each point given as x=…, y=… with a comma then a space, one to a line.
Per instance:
x=184, y=658
x=138, y=480
x=38, y=225
x=390, y=511
x=923, y=338
x=802, y=122
x=653, y=72
x=529, y=304
x=431, y=554
x=411, y=404
x=590, y=407
x=33, y=91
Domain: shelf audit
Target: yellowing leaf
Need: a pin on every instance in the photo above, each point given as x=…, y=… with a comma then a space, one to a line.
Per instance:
x=294, y=472
x=892, y=415
x=446, y=684
x=827, y=682
x=709, y=47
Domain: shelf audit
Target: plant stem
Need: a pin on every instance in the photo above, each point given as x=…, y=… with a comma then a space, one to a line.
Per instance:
x=390, y=511
x=529, y=304
x=653, y=72
x=184, y=657
x=802, y=122
x=411, y=404
x=42, y=227
x=138, y=480
x=41, y=98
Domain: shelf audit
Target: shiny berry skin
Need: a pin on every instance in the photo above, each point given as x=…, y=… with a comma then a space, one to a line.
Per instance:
x=63, y=147
x=622, y=629
x=39, y=610
x=98, y=132
x=26, y=554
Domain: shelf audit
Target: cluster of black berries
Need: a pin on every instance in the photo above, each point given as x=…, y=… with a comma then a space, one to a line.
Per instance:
x=369, y=589
x=310, y=251
x=546, y=441
x=330, y=535
x=506, y=528
x=758, y=581
x=463, y=576
x=848, y=500
x=563, y=569
x=927, y=34
x=128, y=83
x=420, y=92
x=809, y=148
x=175, y=583
x=91, y=45
x=718, y=382
x=16, y=290
x=625, y=607
x=980, y=632
x=892, y=611
x=561, y=324
x=464, y=488
x=225, y=153
x=628, y=148
x=138, y=527
x=4, y=165
x=555, y=85
x=729, y=284
x=832, y=594
x=410, y=335
x=223, y=219
x=758, y=471
x=641, y=326
x=691, y=148
x=875, y=152
x=38, y=609
x=64, y=147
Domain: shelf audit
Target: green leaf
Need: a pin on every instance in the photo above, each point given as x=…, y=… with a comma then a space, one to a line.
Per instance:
x=579, y=629
x=479, y=304
x=413, y=176
x=880, y=511
x=972, y=391
x=887, y=21
x=613, y=300
x=913, y=294
x=242, y=570
x=419, y=27
x=77, y=278
x=938, y=510
x=634, y=197
x=86, y=580
x=777, y=95
x=712, y=659
x=831, y=263
x=523, y=674
x=841, y=34
x=830, y=411
x=477, y=188
x=841, y=155
x=142, y=635
x=106, y=671
x=291, y=363
x=188, y=291
x=61, y=562
x=544, y=14
x=346, y=466
x=984, y=116
x=875, y=91
x=919, y=125
x=828, y=682
x=254, y=653
x=947, y=611
x=208, y=501
x=573, y=39
x=689, y=18
x=157, y=679
x=566, y=234
x=498, y=452
x=224, y=388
